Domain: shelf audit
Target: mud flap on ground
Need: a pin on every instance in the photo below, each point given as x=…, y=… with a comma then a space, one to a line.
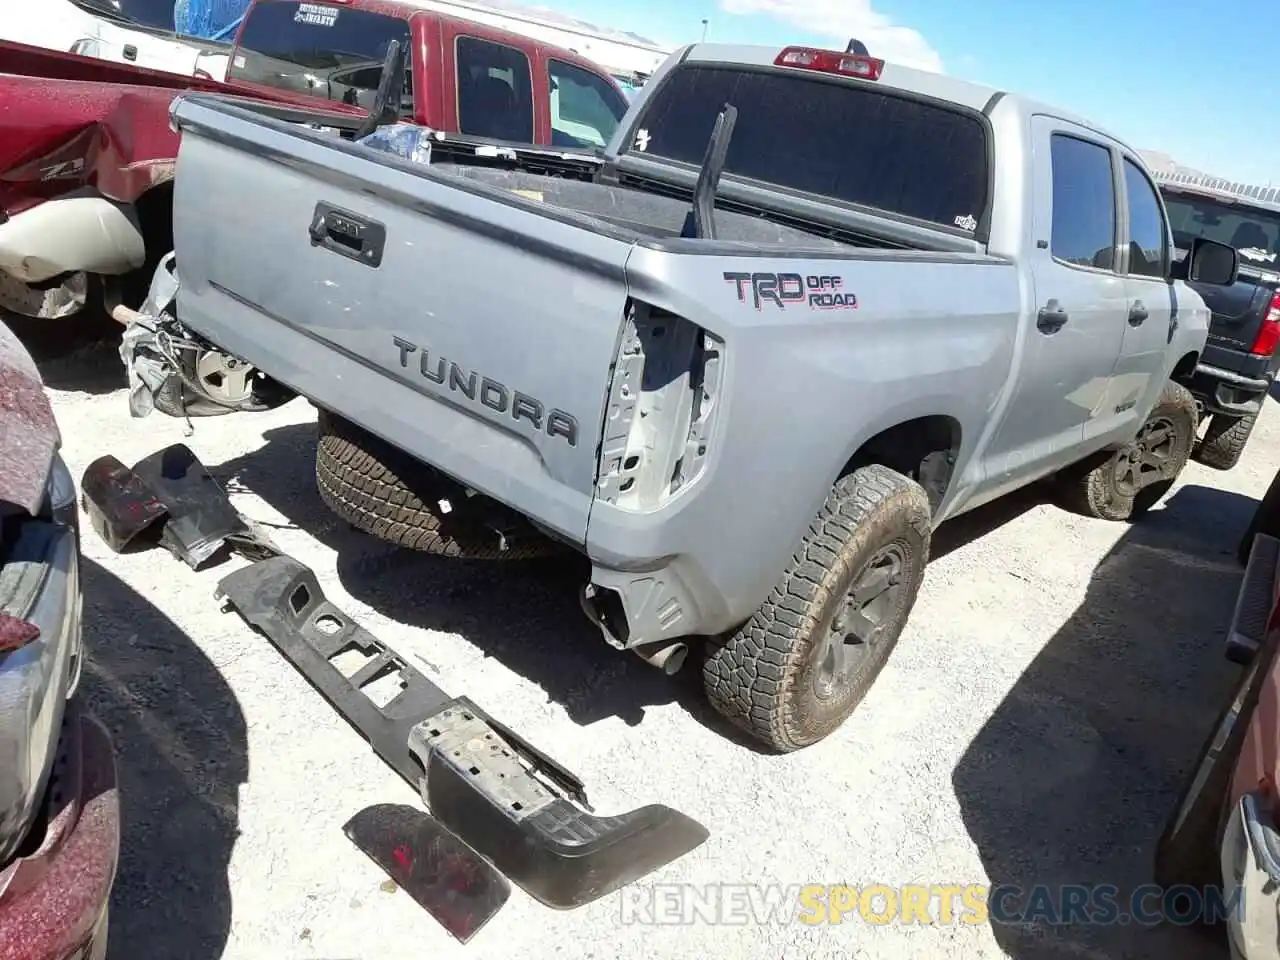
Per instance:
x=169, y=498
x=499, y=794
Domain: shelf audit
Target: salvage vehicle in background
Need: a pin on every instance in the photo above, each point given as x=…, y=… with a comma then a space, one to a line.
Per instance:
x=1235, y=373
x=748, y=402
x=123, y=31
x=59, y=809
x=86, y=151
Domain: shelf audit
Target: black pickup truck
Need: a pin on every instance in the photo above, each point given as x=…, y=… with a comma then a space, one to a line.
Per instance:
x=1237, y=368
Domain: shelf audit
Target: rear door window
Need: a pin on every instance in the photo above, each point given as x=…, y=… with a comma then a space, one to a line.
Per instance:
x=585, y=107
x=495, y=91
x=325, y=51
x=1148, y=239
x=1084, y=203
x=850, y=142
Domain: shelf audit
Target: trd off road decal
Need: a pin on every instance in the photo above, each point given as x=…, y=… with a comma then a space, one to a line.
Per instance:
x=817, y=291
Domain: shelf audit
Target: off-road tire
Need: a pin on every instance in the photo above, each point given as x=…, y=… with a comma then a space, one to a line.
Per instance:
x=1224, y=441
x=382, y=491
x=761, y=676
x=1090, y=488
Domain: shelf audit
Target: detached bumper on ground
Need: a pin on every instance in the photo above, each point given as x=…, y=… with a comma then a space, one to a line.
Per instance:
x=53, y=898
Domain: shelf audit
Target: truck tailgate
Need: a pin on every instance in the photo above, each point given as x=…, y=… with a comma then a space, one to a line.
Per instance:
x=477, y=335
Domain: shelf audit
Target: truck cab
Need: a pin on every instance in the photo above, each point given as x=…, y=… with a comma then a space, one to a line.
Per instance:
x=462, y=76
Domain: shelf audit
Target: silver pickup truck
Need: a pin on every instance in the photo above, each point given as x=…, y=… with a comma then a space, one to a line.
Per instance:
x=804, y=308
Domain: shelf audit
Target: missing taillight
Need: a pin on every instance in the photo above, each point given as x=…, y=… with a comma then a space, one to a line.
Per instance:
x=1268, y=338
x=659, y=418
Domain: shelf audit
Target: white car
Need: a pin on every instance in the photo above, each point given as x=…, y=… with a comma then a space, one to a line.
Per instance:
x=106, y=30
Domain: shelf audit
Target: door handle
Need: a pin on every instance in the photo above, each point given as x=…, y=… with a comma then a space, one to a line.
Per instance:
x=1137, y=314
x=1051, y=317
x=348, y=234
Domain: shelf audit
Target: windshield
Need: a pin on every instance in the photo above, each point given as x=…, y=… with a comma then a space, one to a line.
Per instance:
x=1255, y=233
x=325, y=51
x=852, y=143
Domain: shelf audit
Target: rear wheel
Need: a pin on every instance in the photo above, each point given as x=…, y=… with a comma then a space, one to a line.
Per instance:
x=1224, y=441
x=1126, y=483
x=804, y=661
x=384, y=492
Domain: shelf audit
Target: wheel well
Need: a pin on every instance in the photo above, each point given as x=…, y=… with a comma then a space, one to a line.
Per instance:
x=924, y=449
x=154, y=210
x=1185, y=368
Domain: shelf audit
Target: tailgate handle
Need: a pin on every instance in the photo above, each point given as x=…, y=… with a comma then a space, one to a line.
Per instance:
x=348, y=234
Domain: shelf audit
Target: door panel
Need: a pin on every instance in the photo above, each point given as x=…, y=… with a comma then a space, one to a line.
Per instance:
x=1139, y=375
x=1077, y=321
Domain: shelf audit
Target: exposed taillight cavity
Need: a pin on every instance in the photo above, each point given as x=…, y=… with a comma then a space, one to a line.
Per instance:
x=831, y=61
x=1268, y=338
x=660, y=418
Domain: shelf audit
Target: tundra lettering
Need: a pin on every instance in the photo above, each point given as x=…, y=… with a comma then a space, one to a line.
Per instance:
x=489, y=393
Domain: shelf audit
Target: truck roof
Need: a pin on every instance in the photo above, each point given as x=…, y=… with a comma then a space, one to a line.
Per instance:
x=939, y=86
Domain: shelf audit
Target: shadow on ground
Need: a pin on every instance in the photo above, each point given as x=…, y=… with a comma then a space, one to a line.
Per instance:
x=524, y=613
x=1072, y=778
x=182, y=752
x=80, y=354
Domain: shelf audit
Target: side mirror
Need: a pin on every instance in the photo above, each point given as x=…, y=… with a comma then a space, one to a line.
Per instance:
x=1208, y=261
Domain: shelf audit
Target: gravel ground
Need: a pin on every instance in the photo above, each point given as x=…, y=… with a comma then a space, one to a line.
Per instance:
x=1034, y=725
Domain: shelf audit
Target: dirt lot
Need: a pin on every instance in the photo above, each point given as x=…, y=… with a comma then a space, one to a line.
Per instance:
x=1033, y=726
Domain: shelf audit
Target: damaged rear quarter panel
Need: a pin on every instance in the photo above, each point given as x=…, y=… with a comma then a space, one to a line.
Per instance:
x=57, y=135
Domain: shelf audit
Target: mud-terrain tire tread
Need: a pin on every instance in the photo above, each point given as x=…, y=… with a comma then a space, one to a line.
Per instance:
x=1224, y=441
x=749, y=675
x=383, y=492
x=1085, y=489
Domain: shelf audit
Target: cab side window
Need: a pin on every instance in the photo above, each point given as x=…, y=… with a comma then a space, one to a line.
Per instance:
x=1084, y=203
x=495, y=91
x=1148, y=239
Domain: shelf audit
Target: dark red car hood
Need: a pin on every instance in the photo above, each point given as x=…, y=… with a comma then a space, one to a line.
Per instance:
x=28, y=432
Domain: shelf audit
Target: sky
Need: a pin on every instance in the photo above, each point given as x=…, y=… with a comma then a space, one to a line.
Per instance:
x=1177, y=76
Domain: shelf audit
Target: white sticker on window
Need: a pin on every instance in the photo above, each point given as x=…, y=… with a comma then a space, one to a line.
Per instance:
x=642, y=140
x=315, y=15
x=967, y=223
x=239, y=61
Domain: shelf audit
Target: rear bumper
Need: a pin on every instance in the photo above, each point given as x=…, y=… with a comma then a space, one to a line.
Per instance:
x=53, y=900
x=82, y=231
x=1233, y=394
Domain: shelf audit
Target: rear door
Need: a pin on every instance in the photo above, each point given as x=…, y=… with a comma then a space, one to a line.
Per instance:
x=1145, y=256
x=1078, y=310
x=493, y=86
